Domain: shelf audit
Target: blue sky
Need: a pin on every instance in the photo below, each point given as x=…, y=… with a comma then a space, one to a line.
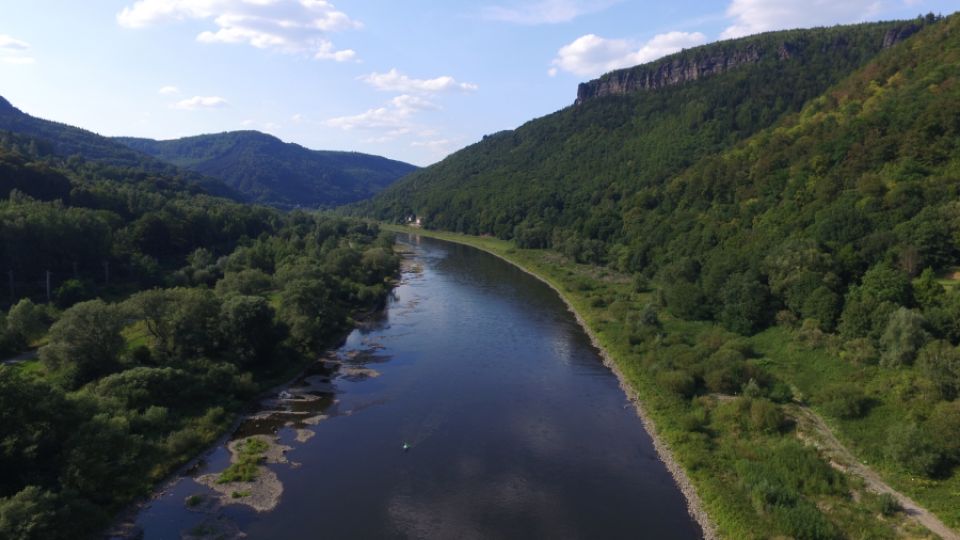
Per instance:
x=412, y=80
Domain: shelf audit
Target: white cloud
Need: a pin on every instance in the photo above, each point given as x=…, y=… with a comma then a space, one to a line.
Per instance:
x=592, y=55
x=755, y=16
x=200, y=102
x=289, y=26
x=545, y=11
x=168, y=91
x=413, y=103
x=396, y=115
x=394, y=81
x=435, y=144
x=14, y=51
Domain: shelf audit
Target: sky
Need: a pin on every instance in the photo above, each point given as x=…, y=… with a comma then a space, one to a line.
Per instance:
x=412, y=80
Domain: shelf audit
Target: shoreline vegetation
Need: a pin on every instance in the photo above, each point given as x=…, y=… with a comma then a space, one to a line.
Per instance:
x=695, y=505
x=261, y=489
x=152, y=373
x=718, y=502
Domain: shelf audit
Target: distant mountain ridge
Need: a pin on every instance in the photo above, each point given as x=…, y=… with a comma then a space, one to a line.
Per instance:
x=67, y=141
x=270, y=171
x=718, y=58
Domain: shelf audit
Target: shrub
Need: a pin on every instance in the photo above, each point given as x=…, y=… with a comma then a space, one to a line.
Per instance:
x=859, y=351
x=765, y=416
x=913, y=449
x=888, y=505
x=677, y=382
x=843, y=400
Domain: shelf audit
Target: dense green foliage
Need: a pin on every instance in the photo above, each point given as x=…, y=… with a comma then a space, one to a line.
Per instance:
x=818, y=224
x=267, y=170
x=579, y=179
x=167, y=310
x=755, y=478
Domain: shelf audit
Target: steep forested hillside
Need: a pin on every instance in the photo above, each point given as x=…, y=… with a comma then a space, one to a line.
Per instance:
x=572, y=175
x=269, y=171
x=48, y=138
x=797, y=247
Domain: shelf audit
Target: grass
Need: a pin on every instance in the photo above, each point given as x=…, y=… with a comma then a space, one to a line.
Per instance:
x=31, y=367
x=711, y=440
x=250, y=454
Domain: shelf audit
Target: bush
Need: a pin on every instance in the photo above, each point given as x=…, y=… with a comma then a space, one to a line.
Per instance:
x=888, y=505
x=843, y=400
x=765, y=416
x=913, y=449
x=677, y=382
x=860, y=352
x=244, y=469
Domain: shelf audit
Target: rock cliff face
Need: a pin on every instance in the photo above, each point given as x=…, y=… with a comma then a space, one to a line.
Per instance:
x=719, y=58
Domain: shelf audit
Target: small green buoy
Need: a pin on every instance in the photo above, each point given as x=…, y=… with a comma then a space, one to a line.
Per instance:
x=406, y=447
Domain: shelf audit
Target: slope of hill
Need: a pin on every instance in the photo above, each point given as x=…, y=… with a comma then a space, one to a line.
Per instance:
x=822, y=238
x=567, y=176
x=65, y=141
x=269, y=171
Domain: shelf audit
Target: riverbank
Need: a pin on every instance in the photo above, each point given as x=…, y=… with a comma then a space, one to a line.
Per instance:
x=724, y=454
x=502, y=250
x=263, y=493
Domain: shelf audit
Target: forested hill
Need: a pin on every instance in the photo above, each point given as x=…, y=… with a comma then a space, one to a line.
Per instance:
x=574, y=175
x=269, y=171
x=49, y=138
x=160, y=312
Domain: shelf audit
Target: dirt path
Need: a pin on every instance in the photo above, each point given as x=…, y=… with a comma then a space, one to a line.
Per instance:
x=816, y=431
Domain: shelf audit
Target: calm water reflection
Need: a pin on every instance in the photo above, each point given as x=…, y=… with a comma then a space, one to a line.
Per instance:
x=516, y=428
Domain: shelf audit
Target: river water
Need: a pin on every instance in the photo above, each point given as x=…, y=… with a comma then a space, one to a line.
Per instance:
x=515, y=428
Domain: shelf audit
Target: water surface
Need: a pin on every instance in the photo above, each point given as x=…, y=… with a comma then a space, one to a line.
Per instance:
x=516, y=429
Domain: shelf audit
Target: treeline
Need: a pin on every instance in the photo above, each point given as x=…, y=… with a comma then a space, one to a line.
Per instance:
x=176, y=309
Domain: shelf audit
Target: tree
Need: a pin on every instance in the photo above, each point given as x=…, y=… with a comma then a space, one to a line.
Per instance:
x=939, y=361
x=913, y=449
x=884, y=283
x=248, y=329
x=184, y=323
x=85, y=343
x=744, y=303
x=685, y=300
x=903, y=338
x=926, y=290
x=945, y=422
x=27, y=320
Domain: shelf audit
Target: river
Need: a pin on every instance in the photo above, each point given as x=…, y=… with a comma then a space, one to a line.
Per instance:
x=514, y=427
